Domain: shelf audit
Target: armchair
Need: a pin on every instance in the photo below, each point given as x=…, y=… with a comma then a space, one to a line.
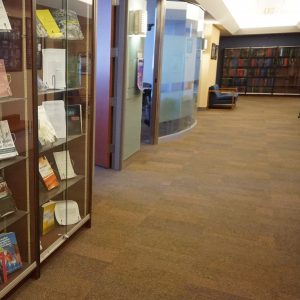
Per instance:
x=222, y=97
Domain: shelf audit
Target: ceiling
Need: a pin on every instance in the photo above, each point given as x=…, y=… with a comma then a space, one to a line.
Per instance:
x=238, y=17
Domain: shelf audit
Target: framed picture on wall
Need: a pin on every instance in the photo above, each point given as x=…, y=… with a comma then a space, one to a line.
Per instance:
x=214, y=51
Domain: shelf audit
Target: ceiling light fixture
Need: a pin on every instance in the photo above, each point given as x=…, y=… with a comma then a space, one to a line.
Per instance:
x=264, y=13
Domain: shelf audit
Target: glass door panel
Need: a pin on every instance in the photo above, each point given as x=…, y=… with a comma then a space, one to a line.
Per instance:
x=78, y=105
x=51, y=65
x=180, y=66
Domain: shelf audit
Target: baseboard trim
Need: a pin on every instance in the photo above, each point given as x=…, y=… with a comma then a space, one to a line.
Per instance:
x=202, y=108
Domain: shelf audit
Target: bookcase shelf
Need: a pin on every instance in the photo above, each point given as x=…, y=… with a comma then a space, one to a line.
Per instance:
x=59, y=142
x=45, y=195
x=10, y=99
x=7, y=221
x=29, y=62
x=258, y=70
x=11, y=161
x=54, y=91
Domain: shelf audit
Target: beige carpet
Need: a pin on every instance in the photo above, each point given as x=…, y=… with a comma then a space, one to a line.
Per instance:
x=214, y=215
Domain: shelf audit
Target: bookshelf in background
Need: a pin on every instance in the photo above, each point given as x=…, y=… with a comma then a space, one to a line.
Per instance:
x=262, y=70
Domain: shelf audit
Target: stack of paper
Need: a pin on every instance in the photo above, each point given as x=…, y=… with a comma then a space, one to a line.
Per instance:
x=54, y=68
x=4, y=21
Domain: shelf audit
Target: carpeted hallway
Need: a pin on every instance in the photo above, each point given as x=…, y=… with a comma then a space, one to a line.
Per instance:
x=213, y=215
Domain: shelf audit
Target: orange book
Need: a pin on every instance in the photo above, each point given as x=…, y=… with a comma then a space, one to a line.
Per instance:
x=47, y=174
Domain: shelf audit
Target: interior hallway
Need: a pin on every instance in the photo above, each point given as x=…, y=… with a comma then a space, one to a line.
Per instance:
x=214, y=215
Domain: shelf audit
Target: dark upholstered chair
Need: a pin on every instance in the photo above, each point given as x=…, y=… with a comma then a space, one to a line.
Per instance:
x=222, y=97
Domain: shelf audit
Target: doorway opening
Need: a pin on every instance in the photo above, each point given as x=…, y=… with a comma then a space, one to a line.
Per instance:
x=148, y=73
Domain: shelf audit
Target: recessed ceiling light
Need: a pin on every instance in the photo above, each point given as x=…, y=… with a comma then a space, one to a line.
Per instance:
x=264, y=13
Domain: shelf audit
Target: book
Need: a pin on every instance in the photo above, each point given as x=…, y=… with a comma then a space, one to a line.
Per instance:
x=74, y=119
x=73, y=69
x=5, y=90
x=7, y=145
x=9, y=247
x=48, y=22
x=7, y=203
x=3, y=271
x=68, y=24
x=48, y=217
x=47, y=174
x=4, y=21
x=54, y=68
x=56, y=114
x=64, y=164
x=46, y=132
x=40, y=29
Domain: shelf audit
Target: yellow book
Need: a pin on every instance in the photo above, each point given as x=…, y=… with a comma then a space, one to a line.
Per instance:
x=49, y=23
x=48, y=216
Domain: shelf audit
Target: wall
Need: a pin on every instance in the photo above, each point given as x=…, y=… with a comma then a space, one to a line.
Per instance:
x=208, y=66
x=262, y=40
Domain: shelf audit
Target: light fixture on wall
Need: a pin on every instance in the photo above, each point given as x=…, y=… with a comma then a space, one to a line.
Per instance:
x=138, y=23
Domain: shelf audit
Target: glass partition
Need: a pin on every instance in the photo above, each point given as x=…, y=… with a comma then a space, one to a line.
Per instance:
x=181, y=55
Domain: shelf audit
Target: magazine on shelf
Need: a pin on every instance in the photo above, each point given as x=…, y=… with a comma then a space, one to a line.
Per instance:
x=74, y=119
x=48, y=22
x=9, y=246
x=68, y=24
x=40, y=29
x=5, y=90
x=4, y=21
x=56, y=114
x=64, y=164
x=54, y=68
x=47, y=174
x=7, y=203
x=3, y=271
x=46, y=131
x=7, y=145
x=48, y=217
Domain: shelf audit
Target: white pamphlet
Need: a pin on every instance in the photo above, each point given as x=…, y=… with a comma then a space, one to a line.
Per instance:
x=64, y=164
x=7, y=145
x=54, y=68
x=4, y=21
x=56, y=113
x=46, y=131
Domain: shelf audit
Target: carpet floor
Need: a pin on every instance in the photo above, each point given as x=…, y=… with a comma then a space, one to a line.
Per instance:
x=212, y=215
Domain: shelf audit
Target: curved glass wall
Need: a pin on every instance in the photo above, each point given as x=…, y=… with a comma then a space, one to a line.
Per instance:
x=182, y=44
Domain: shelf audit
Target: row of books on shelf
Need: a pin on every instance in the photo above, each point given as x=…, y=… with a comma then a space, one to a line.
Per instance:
x=10, y=258
x=56, y=120
x=262, y=52
x=64, y=166
x=248, y=81
x=56, y=213
x=258, y=72
x=261, y=62
x=54, y=23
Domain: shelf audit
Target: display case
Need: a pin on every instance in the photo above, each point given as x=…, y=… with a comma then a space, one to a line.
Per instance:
x=46, y=130
x=64, y=56
x=18, y=205
x=262, y=70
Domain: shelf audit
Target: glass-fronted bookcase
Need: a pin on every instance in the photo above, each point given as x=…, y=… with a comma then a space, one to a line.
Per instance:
x=64, y=54
x=46, y=129
x=18, y=238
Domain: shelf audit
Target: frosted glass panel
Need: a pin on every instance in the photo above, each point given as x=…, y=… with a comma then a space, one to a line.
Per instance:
x=182, y=45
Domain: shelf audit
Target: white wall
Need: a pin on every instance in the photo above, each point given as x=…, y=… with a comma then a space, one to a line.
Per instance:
x=208, y=70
